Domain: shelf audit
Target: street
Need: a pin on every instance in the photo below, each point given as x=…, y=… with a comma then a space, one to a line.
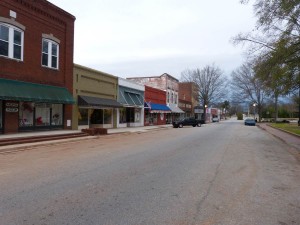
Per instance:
x=221, y=173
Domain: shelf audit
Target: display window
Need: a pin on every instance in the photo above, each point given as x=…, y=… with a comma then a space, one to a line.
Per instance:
x=137, y=115
x=26, y=112
x=122, y=115
x=83, y=116
x=57, y=114
x=107, y=116
x=42, y=114
x=101, y=116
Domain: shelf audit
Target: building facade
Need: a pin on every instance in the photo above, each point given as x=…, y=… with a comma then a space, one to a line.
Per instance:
x=96, y=98
x=188, y=99
x=36, y=66
x=131, y=96
x=169, y=84
x=156, y=110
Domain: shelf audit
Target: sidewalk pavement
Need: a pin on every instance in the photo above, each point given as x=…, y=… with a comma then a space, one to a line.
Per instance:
x=290, y=139
x=17, y=147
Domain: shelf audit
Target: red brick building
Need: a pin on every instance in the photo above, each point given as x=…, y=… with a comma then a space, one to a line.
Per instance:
x=36, y=66
x=156, y=109
x=188, y=98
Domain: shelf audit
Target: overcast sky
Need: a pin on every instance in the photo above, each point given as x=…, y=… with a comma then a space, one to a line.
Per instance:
x=151, y=37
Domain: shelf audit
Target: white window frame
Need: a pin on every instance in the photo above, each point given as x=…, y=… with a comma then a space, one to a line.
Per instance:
x=11, y=43
x=49, y=60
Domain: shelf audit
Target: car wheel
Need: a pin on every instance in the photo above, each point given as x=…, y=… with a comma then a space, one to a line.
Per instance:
x=198, y=124
x=180, y=125
x=194, y=125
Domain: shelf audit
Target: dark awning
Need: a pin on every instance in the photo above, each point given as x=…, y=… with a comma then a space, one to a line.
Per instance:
x=94, y=102
x=31, y=92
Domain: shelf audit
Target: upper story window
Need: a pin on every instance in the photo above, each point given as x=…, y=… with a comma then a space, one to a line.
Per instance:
x=50, y=56
x=168, y=98
x=11, y=41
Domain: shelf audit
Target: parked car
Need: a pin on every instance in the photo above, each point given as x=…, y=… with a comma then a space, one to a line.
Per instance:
x=187, y=122
x=250, y=122
x=215, y=119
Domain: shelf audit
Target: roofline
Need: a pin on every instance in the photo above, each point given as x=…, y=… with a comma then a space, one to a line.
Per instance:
x=93, y=70
x=153, y=77
x=60, y=9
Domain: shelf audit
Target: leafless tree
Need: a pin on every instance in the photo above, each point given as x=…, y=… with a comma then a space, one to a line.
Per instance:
x=247, y=87
x=211, y=84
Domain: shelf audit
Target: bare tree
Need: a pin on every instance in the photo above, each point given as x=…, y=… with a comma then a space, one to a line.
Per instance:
x=247, y=87
x=211, y=84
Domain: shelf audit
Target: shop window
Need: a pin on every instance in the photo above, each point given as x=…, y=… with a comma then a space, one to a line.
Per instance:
x=11, y=41
x=26, y=111
x=1, y=114
x=122, y=115
x=42, y=114
x=137, y=115
x=50, y=50
x=107, y=116
x=83, y=117
x=97, y=116
x=57, y=114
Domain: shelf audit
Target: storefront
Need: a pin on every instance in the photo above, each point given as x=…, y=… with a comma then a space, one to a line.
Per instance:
x=156, y=114
x=131, y=96
x=96, y=112
x=28, y=106
x=176, y=113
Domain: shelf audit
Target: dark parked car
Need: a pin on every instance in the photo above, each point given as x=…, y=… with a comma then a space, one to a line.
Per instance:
x=250, y=122
x=187, y=122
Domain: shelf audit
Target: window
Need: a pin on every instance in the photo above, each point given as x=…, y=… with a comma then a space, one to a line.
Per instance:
x=50, y=50
x=11, y=41
x=122, y=115
x=26, y=111
x=168, y=98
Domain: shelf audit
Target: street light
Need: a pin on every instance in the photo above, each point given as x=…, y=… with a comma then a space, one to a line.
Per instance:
x=254, y=104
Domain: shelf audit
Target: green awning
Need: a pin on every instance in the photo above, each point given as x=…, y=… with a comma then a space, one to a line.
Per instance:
x=131, y=99
x=31, y=92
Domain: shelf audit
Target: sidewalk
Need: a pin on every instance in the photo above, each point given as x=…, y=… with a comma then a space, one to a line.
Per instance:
x=16, y=147
x=286, y=137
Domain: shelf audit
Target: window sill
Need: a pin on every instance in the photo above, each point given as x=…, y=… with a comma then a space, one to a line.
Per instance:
x=6, y=57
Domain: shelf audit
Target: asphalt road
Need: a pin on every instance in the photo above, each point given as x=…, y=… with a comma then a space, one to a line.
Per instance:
x=221, y=173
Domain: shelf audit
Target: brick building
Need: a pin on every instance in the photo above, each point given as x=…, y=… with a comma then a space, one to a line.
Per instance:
x=36, y=66
x=156, y=110
x=188, y=98
x=169, y=84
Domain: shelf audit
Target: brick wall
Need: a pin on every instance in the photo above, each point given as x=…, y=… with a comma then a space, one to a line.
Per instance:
x=155, y=95
x=40, y=17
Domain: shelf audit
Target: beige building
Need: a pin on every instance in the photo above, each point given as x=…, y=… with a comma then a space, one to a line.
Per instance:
x=96, y=97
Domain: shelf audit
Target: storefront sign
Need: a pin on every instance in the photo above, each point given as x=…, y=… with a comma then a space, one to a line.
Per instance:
x=11, y=104
x=12, y=110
